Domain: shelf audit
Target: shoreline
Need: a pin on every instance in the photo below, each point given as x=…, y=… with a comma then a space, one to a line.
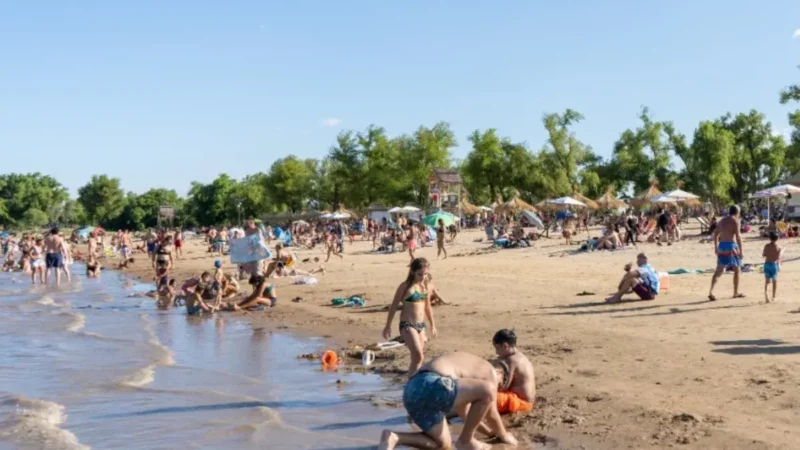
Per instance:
x=595, y=384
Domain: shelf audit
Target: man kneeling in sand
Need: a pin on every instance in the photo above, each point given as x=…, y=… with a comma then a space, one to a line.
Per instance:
x=643, y=280
x=520, y=394
x=457, y=381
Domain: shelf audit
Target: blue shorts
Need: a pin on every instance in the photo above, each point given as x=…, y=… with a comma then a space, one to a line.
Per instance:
x=728, y=254
x=428, y=397
x=193, y=310
x=771, y=270
x=151, y=248
x=54, y=260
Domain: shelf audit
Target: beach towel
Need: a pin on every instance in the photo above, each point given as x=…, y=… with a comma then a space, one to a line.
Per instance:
x=682, y=271
x=249, y=249
x=509, y=402
x=306, y=280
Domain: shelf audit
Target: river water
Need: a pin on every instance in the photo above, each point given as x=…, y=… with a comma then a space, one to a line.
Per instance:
x=84, y=366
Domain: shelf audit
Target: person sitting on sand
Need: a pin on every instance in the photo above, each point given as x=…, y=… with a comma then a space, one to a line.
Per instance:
x=728, y=247
x=643, y=281
x=522, y=378
x=610, y=240
x=436, y=299
x=230, y=286
x=456, y=381
x=283, y=271
x=195, y=301
x=263, y=296
x=416, y=306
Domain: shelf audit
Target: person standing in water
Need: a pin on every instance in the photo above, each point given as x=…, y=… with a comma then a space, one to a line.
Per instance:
x=54, y=258
x=37, y=264
x=728, y=246
x=440, y=231
x=414, y=301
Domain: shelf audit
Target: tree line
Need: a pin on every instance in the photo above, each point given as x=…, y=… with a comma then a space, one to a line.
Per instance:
x=724, y=160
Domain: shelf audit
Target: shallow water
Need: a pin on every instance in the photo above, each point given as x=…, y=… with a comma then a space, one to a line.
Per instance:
x=84, y=366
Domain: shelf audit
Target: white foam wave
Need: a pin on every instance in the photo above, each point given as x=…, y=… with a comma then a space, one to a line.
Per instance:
x=77, y=323
x=37, y=423
x=46, y=300
x=167, y=358
x=141, y=377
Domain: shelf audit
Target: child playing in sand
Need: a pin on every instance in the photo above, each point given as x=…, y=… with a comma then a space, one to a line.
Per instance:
x=772, y=265
x=436, y=299
x=166, y=295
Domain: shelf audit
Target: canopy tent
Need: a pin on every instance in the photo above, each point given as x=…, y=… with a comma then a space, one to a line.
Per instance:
x=533, y=218
x=663, y=198
x=566, y=201
x=591, y=204
x=515, y=205
x=433, y=219
x=645, y=197
x=609, y=201
x=681, y=195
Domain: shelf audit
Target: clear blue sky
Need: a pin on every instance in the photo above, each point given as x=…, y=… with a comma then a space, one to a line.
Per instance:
x=203, y=87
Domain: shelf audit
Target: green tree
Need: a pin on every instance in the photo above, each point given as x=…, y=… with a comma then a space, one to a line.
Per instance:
x=792, y=157
x=566, y=150
x=430, y=149
x=141, y=211
x=21, y=192
x=643, y=155
x=291, y=182
x=758, y=157
x=102, y=198
x=382, y=172
x=34, y=218
x=210, y=204
x=708, y=161
x=347, y=169
x=486, y=165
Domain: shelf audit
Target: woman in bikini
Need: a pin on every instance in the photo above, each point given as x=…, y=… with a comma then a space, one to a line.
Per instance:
x=37, y=263
x=164, y=258
x=440, y=230
x=263, y=296
x=416, y=306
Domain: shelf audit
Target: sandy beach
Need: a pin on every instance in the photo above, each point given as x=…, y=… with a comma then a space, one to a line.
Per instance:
x=677, y=371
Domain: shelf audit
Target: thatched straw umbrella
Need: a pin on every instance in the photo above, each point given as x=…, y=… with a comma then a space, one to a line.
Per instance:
x=343, y=210
x=545, y=206
x=515, y=205
x=467, y=207
x=498, y=202
x=591, y=204
x=610, y=201
x=645, y=197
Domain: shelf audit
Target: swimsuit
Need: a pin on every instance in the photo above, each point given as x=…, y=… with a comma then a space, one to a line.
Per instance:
x=193, y=310
x=428, y=397
x=54, y=260
x=771, y=270
x=419, y=326
x=728, y=254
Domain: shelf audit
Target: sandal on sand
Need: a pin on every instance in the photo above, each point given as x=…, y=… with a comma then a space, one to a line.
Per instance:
x=739, y=296
x=711, y=298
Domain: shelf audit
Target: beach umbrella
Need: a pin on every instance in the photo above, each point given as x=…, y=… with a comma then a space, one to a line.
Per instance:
x=566, y=201
x=433, y=219
x=395, y=210
x=341, y=216
x=467, y=207
x=533, y=218
x=485, y=208
x=645, y=197
x=545, y=206
x=515, y=205
x=776, y=191
x=498, y=202
x=609, y=201
x=302, y=223
x=681, y=195
x=409, y=209
x=326, y=216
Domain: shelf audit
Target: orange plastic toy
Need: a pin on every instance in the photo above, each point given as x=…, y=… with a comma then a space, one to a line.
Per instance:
x=330, y=358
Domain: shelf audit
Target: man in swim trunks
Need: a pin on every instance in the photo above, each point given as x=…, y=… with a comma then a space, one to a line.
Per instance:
x=643, y=281
x=728, y=246
x=522, y=378
x=54, y=259
x=151, y=241
x=456, y=381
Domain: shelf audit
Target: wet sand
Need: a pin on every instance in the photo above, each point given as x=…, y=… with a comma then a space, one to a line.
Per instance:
x=679, y=370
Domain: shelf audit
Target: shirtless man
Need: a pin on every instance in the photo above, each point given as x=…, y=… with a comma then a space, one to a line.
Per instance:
x=455, y=381
x=151, y=243
x=94, y=250
x=54, y=258
x=728, y=246
x=125, y=245
x=523, y=378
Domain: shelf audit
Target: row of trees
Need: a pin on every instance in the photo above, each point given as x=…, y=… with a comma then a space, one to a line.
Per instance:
x=725, y=160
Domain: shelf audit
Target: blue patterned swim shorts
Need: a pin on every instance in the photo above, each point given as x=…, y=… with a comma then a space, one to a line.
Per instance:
x=771, y=270
x=428, y=397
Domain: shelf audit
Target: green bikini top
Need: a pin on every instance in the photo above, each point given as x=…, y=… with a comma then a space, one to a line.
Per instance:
x=415, y=297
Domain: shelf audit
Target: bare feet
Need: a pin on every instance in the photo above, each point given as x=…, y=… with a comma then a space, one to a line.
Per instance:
x=738, y=296
x=472, y=445
x=509, y=439
x=388, y=440
x=711, y=298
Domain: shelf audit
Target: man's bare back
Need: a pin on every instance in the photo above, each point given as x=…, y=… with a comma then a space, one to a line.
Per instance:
x=727, y=229
x=462, y=365
x=52, y=243
x=772, y=252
